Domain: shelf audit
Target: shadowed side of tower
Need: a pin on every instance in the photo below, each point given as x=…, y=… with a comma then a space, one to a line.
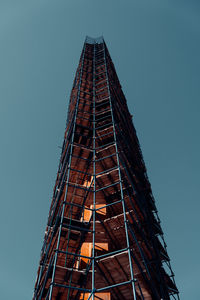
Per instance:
x=103, y=239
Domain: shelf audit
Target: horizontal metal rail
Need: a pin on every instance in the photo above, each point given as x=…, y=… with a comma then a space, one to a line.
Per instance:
x=111, y=254
x=80, y=187
x=110, y=204
x=107, y=186
x=114, y=285
x=106, y=145
x=106, y=157
x=73, y=254
x=103, y=126
x=78, y=205
x=71, y=287
x=116, y=168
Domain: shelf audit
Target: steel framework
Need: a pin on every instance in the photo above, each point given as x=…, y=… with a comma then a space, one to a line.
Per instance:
x=103, y=239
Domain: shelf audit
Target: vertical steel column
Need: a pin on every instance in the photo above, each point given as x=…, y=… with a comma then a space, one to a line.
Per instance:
x=120, y=180
x=94, y=180
x=67, y=182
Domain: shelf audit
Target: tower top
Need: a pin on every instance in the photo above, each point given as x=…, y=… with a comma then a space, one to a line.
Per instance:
x=90, y=40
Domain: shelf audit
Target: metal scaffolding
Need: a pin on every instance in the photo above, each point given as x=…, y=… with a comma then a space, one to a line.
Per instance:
x=103, y=239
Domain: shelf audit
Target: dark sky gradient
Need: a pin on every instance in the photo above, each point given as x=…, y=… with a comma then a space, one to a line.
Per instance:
x=155, y=46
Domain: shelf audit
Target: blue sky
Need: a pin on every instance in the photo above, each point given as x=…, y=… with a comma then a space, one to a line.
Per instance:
x=155, y=47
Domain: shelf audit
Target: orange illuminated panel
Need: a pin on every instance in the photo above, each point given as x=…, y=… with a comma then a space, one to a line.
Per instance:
x=99, y=296
x=86, y=250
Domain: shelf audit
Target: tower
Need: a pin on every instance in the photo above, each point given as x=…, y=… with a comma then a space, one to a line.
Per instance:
x=103, y=239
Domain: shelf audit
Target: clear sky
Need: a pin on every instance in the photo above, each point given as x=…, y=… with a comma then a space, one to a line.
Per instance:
x=155, y=46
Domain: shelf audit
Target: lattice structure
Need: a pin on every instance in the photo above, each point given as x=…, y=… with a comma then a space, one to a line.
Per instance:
x=103, y=238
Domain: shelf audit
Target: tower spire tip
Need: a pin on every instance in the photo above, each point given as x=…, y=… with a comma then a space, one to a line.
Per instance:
x=90, y=40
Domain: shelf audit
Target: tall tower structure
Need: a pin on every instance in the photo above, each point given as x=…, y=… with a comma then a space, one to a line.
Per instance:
x=103, y=239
